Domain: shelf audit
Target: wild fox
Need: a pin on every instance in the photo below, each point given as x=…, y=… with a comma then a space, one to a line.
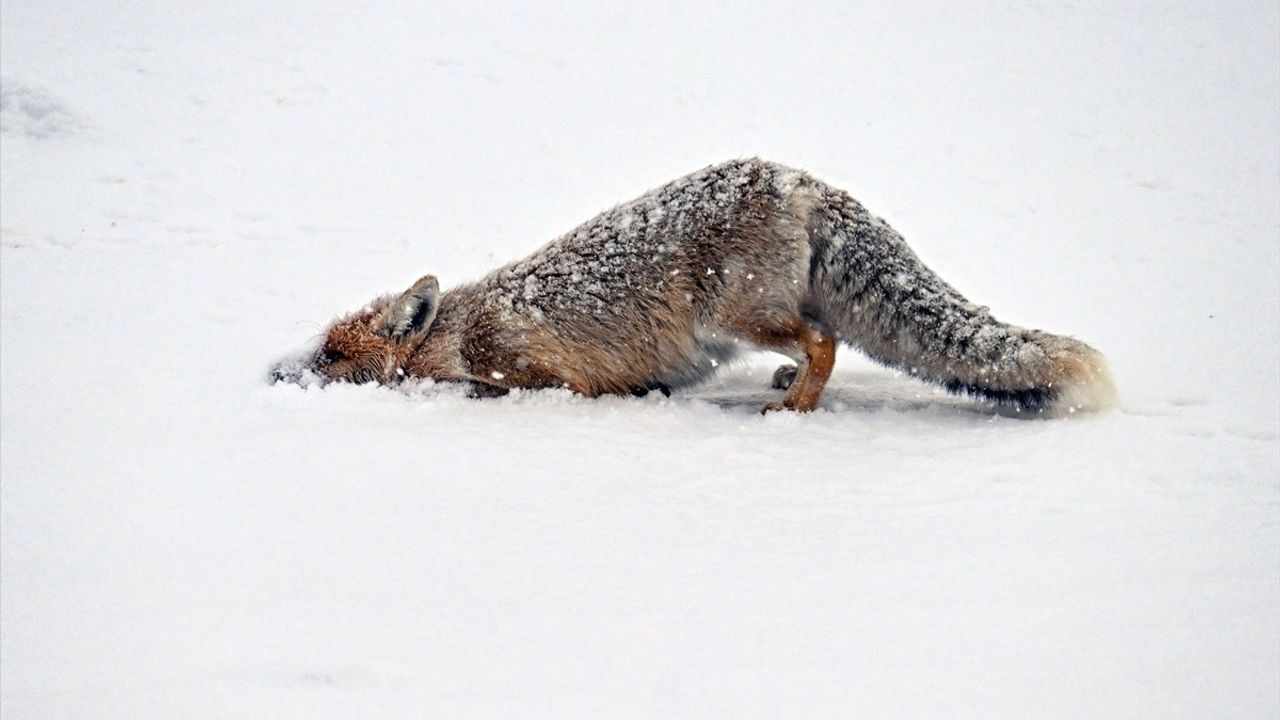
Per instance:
x=655, y=293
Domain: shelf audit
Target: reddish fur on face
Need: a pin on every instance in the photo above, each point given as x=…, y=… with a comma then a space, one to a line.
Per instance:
x=353, y=351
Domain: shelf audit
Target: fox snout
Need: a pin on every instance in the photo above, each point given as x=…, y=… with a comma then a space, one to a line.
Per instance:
x=279, y=373
x=290, y=370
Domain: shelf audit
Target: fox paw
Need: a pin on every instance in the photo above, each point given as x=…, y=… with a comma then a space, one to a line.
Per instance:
x=784, y=376
x=484, y=390
x=642, y=390
x=797, y=408
x=773, y=407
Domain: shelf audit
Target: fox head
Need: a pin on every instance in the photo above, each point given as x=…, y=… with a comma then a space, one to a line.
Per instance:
x=373, y=344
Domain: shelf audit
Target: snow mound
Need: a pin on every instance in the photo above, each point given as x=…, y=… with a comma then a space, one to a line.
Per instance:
x=34, y=113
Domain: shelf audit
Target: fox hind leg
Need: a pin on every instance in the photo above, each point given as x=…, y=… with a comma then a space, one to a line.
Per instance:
x=814, y=350
x=811, y=374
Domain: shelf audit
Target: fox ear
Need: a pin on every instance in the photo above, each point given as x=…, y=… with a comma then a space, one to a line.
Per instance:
x=414, y=311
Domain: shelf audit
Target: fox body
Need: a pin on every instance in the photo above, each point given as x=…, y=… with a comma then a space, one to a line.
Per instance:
x=655, y=293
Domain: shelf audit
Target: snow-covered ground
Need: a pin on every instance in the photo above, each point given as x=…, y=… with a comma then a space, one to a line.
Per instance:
x=190, y=192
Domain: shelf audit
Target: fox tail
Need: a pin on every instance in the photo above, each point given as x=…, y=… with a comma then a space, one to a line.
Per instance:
x=878, y=296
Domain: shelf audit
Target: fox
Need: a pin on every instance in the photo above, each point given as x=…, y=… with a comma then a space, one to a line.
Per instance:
x=657, y=293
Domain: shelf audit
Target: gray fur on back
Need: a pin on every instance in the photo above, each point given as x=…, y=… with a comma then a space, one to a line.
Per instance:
x=680, y=255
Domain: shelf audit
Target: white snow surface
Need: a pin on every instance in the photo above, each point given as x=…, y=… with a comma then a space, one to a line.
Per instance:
x=190, y=191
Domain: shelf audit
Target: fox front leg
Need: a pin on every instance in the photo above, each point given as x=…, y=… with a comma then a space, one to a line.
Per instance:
x=485, y=390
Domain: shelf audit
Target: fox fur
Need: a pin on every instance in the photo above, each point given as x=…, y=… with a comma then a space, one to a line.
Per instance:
x=655, y=293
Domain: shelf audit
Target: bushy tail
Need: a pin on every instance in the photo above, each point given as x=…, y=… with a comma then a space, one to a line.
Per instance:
x=881, y=298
